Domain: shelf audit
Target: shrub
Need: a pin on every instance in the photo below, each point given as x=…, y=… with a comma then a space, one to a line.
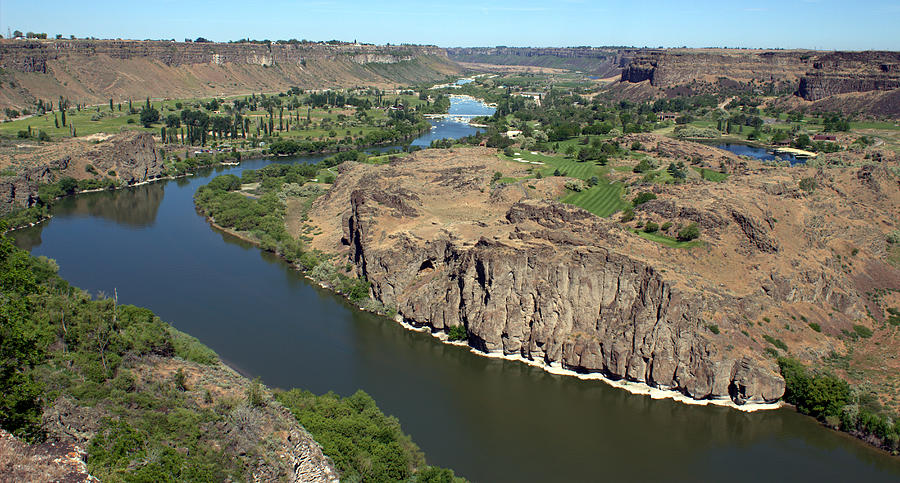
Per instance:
x=627, y=215
x=776, y=342
x=713, y=328
x=643, y=197
x=862, y=331
x=643, y=166
x=816, y=327
x=665, y=226
x=364, y=443
x=651, y=227
x=688, y=233
x=894, y=237
x=255, y=394
x=458, y=332
x=808, y=184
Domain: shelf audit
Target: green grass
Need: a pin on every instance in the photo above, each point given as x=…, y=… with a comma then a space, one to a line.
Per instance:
x=711, y=175
x=667, y=241
x=602, y=200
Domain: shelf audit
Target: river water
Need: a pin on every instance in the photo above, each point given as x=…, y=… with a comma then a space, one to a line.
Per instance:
x=759, y=153
x=488, y=419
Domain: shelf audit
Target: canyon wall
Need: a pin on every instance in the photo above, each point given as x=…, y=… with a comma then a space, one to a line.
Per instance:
x=847, y=72
x=545, y=281
x=601, y=61
x=93, y=71
x=668, y=68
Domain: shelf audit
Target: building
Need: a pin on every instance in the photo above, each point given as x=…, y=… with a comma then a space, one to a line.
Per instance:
x=666, y=116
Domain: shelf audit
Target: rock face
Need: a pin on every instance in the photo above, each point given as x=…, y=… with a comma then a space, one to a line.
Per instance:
x=602, y=61
x=845, y=72
x=538, y=279
x=667, y=68
x=93, y=71
x=33, y=56
x=129, y=157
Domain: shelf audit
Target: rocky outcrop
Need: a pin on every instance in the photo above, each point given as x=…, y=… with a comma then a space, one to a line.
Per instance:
x=757, y=233
x=846, y=72
x=22, y=190
x=129, y=157
x=540, y=280
x=132, y=156
x=579, y=304
x=668, y=68
x=48, y=461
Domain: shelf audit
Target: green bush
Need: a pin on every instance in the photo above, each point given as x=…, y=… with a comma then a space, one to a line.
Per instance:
x=690, y=232
x=776, y=342
x=816, y=395
x=651, y=227
x=643, y=197
x=363, y=443
x=713, y=328
x=816, y=327
x=190, y=349
x=458, y=332
x=862, y=331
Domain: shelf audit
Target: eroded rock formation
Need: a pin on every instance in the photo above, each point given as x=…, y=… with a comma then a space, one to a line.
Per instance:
x=129, y=157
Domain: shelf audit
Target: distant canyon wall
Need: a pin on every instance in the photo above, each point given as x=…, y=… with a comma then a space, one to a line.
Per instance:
x=96, y=70
x=846, y=72
x=600, y=61
x=668, y=68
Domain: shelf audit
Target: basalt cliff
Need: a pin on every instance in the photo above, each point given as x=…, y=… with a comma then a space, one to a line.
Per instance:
x=128, y=158
x=852, y=82
x=93, y=71
x=533, y=278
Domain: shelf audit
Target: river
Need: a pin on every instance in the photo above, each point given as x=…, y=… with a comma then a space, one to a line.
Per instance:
x=488, y=419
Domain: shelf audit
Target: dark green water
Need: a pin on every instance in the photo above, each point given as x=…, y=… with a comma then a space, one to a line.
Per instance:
x=488, y=419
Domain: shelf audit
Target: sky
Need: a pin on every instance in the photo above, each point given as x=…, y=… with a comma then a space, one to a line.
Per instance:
x=819, y=24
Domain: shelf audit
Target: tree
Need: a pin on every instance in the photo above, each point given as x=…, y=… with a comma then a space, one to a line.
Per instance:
x=149, y=115
x=63, y=114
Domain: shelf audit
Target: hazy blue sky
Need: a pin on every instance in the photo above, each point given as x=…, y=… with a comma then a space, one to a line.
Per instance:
x=823, y=24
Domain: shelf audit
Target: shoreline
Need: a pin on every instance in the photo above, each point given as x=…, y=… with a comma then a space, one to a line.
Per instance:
x=633, y=387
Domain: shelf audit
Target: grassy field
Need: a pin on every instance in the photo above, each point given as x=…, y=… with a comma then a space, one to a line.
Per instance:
x=99, y=119
x=602, y=200
x=711, y=175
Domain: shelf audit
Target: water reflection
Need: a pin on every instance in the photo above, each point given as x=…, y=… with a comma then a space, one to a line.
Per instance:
x=139, y=209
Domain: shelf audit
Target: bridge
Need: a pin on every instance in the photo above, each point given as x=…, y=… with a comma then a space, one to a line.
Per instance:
x=453, y=116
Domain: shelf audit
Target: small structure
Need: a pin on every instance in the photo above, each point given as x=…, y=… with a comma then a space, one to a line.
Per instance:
x=825, y=137
x=666, y=116
x=783, y=142
x=512, y=134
